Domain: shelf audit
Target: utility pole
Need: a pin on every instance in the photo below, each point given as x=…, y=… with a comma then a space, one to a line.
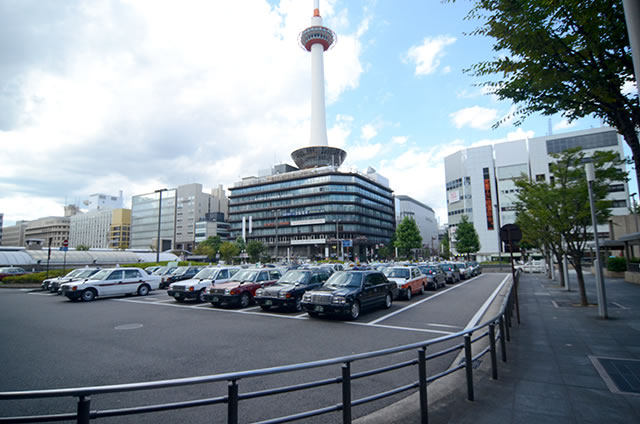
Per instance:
x=158, y=245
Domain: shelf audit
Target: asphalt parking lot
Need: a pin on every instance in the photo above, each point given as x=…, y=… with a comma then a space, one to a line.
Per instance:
x=50, y=342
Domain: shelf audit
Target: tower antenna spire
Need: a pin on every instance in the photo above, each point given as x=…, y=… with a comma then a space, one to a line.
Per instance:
x=317, y=39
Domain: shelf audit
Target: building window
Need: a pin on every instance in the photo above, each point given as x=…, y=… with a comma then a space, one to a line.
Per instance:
x=619, y=204
x=540, y=178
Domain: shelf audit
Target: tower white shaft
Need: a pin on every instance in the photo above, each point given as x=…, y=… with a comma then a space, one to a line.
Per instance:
x=318, y=114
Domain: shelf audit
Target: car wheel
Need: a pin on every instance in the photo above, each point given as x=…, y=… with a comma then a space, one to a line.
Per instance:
x=200, y=296
x=422, y=289
x=179, y=299
x=297, y=306
x=354, y=311
x=409, y=293
x=387, y=301
x=245, y=299
x=265, y=308
x=88, y=295
x=143, y=290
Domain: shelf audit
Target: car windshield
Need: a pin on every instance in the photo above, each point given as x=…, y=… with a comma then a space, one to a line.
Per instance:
x=180, y=270
x=246, y=275
x=101, y=275
x=397, y=272
x=74, y=273
x=445, y=267
x=427, y=270
x=293, y=277
x=344, y=279
x=160, y=270
x=207, y=274
x=85, y=273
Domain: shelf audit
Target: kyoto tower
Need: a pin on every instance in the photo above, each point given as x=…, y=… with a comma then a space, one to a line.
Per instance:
x=317, y=39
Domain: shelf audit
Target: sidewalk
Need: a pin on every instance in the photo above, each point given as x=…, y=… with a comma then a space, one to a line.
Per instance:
x=550, y=376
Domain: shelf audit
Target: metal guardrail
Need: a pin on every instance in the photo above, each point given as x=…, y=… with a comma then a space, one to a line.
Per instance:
x=501, y=334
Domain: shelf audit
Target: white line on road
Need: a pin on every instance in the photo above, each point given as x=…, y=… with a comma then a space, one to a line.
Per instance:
x=555, y=304
x=382, y=318
x=44, y=294
x=302, y=315
x=619, y=305
x=472, y=323
x=393, y=327
x=445, y=326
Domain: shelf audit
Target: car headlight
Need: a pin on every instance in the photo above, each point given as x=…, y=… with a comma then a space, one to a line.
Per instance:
x=284, y=294
x=399, y=284
x=306, y=297
x=210, y=290
x=340, y=300
x=259, y=292
x=227, y=291
x=191, y=288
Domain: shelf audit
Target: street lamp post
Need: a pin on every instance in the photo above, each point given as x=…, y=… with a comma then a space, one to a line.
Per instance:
x=635, y=214
x=602, y=298
x=158, y=243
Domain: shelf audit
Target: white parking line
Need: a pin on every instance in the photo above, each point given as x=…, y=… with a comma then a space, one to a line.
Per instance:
x=302, y=315
x=486, y=304
x=382, y=318
x=161, y=301
x=619, y=305
x=43, y=294
x=255, y=308
x=445, y=326
x=555, y=304
x=393, y=327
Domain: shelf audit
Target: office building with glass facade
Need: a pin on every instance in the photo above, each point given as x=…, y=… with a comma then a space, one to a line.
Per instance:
x=309, y=213
x=144, y=220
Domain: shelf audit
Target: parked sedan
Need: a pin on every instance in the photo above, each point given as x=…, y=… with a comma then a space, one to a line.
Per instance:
x=435, y=276
x=181, y=273
x=409, y=280
x=241, y=289
x=11, y=272
x=451, y=272
x=347, y=293
x=78, y=274
x=111, y=282
x=287, y=292
x=196, y=287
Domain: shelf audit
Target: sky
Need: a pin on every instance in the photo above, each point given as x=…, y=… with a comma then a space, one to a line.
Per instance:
x=137, y=95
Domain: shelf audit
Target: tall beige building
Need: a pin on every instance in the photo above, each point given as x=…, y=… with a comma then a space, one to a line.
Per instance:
x=120, y=229
x=55, y=228
x=192, y=206
x=101, y=228
x=13, y=235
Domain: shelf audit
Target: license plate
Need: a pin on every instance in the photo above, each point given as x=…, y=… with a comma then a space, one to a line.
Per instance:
x=214, y=299
x=176, y=295
x=268, y=302
x=318, y=308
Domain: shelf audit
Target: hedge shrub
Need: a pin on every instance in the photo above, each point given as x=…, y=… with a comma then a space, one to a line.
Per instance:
x=616, y=264
x=35, y=277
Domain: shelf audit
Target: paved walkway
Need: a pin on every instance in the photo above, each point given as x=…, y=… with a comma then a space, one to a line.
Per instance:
x=549, y=376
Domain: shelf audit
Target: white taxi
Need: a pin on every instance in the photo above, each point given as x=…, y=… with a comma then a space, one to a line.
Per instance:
x=111, y=282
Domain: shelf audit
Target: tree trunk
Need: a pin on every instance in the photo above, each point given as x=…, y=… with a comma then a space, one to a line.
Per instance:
x=561, y=269
x=577, y=265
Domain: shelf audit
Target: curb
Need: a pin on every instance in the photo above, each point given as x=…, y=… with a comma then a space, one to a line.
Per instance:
x=442, y=393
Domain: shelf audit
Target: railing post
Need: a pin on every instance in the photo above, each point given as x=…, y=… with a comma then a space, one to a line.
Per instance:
x=84, y=408
x=492, y=348
x=503, y=342
x=422, y=380
x=232, y=405
x=346, y=393
x=468, y=359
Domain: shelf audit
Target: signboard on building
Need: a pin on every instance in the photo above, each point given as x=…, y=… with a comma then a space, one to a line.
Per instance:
x=309, y=222
x=454, y=196
x=347, y=243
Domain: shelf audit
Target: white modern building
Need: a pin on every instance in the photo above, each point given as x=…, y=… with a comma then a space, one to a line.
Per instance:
x=182, y=208
x=423, y=215
x=101, y=201
x=480, y=180
x=100, y=229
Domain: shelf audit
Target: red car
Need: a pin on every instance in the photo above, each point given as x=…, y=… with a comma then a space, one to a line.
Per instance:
x=11, y=271
x=241, y=289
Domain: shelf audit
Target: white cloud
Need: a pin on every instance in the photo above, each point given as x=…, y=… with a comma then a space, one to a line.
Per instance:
x=629, y=88
x=563, y=125
x=476, y=117
x=399, y=139
x=160, y=95
x=368, y=132
x=446, y=69
x=427, y=56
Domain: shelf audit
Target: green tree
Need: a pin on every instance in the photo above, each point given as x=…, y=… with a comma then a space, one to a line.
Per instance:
x=407, y=236
x=82, y=247
x=212, y=241
x=561, y=207
x=445, y=247
x=242, y=245
x=228, y=250
x=255, y=249
x=205, y=250
x=466, y=236
x=561, y=56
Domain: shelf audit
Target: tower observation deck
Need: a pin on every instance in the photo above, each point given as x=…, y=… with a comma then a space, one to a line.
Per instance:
x=317, y=39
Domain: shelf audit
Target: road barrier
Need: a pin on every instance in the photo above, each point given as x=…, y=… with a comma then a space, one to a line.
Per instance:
x=496, y=329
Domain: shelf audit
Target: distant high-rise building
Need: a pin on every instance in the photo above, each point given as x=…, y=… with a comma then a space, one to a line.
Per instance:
x=53, y=228
x=100, y=201
x=94, y=228
x=480, y=181
x=13, y=235
x=424, y=216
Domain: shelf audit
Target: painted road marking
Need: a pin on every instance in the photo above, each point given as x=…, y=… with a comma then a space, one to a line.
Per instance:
x=474, y=321
x=421, y=302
